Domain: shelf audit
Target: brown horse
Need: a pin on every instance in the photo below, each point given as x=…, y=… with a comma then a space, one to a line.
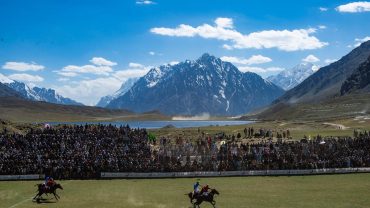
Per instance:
x=41, y=189
x=200, y=198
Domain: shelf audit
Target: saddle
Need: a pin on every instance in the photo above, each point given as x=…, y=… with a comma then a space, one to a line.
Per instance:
x=46, y=188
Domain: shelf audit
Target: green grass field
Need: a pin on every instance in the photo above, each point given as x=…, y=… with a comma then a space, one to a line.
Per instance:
x=351, y=190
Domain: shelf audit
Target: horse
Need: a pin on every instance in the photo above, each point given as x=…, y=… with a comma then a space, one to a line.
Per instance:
x=200, y=198
x=51, y=190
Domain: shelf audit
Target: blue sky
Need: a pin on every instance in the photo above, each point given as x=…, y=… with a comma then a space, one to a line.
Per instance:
x=86, y=49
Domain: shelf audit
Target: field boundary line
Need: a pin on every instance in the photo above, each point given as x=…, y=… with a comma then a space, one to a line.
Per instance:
x=21, y=202
x=107, y=175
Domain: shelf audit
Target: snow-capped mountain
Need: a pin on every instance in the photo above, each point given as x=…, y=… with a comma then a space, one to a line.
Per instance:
x=6, y=91
x=36, y=93
x=207, y=85
x=50, y=96
x=126, y=86
x=290, y=78
x=25, y=91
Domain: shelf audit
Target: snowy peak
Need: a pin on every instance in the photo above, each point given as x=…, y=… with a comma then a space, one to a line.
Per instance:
x=154, y=75
x=193, y=87
x=50, y=96
x=125, y=87
x=290, y=78
x=36, y=93
x=5, y=80
x=207, y=58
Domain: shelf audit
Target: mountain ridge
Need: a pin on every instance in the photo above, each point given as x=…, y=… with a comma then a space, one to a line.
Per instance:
x=206, y=85
x=290, y=78
x=126, y=86
x=36, y=93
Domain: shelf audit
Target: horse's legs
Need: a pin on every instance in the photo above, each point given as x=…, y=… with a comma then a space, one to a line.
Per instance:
x=55, y=196
x=36, y=195
x=197, y=203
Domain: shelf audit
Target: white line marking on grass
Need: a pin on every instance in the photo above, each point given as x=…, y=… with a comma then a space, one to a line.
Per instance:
x=21, y=202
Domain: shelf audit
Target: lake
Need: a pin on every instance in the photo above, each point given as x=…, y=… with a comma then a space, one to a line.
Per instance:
x=161, y=124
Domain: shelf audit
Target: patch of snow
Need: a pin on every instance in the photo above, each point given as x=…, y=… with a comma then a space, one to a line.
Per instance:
x=5, y=80
x=223, y=83
x=222, y=93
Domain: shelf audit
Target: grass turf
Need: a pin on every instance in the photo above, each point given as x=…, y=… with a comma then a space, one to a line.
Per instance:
x=351, y=190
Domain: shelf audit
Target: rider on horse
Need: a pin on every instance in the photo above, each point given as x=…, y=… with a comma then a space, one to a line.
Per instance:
x=204, y=190
x=196, y=188
x=49, y=182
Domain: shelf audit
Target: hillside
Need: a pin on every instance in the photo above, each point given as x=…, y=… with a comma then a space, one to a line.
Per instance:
x=6, y=91
x=359, y=80
x=328, y=80
x=347, y=106
x=340, y=90
x=19, y=110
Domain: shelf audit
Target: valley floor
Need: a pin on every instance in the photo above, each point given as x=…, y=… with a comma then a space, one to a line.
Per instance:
x=298, y=129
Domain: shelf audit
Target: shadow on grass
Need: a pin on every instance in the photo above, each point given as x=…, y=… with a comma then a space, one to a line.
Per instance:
x=43, y=201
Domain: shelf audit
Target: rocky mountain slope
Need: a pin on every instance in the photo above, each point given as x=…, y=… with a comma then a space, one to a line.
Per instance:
x=126, y=86
x=206, y=85
x=36, y=93
x=290, y=78
x=327, y=82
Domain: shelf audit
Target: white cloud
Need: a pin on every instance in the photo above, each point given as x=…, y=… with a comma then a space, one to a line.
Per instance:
x=152, y=53
x=322, y=27
x=286, y=40
x=358, y=41
x=259, y=70
x=255, y=59
x=67, y=74
x=134, y=70
x=130, y=73
x=22, y=66
x=315, y=68
x=26, y=78
x=99, y=61
x=354, y=7
x=63, y=79
x=90, y=91
x=146, y=2
x=227, y=47
x=101, y=66
x=323, y=9
x=90, y=69
x=329, y=61
x=311, y=59
x=224, y=22
x=4, y=79
x=135, y=65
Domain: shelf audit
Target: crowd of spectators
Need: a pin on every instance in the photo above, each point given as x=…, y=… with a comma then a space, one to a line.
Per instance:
x=83, y=151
